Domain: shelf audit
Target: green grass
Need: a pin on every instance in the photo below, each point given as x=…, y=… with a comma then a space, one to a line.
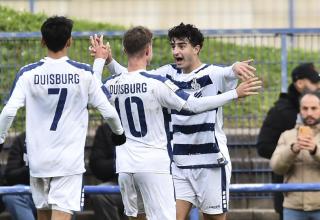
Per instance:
x=13, y=21
x=245, y=113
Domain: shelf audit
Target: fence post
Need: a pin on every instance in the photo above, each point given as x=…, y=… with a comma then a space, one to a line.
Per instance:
x=291, y=13
x=284, y=65
x=31, y=6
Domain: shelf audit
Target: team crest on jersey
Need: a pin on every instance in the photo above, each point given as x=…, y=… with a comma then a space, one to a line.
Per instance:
x=171, y=85
x=195, y=85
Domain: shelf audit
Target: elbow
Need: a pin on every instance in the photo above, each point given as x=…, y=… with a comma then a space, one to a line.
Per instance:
x=9, y=112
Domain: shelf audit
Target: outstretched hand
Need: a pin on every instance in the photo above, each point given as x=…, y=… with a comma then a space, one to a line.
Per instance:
x=100, y=50
x=244, y=70
x=249, y=87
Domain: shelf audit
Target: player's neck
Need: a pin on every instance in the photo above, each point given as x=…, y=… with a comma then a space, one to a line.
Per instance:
x=194, y=65
x=57, y=55
x=136, y=64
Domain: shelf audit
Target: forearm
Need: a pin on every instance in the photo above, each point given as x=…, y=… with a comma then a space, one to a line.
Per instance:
x=282, y=159
x=110, y=115
x=115, y=68
x=97, y=67
x=6, y=118
x=198, y=105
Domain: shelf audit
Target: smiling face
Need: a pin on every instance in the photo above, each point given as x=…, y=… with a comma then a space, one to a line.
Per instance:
x=185, y=55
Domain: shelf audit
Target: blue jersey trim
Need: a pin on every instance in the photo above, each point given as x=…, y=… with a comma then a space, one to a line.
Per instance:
x=207, y=65
x=106, y=91
x=183, y=112
x=174, y=66
x=190, y=129
x=22, y=71
x=162, y=79
x=80, y=65
x=202, y=81
x=167, y=120
x=191, y=149
x=186, y=113
x=111, y=77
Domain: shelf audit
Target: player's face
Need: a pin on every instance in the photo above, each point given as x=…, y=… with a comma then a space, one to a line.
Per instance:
x=310, y=110
x=184, y=54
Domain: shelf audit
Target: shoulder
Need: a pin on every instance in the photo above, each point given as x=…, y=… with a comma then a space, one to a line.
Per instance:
x=284, y=103
x=290, y=133
x=79, y=65
x=30, y=67
x=112, y=77
x=205, y=69
x=156, y=78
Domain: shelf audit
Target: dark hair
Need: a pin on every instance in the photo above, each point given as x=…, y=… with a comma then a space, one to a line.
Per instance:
x=136, y=39
x=188, y=31
x=56, y=31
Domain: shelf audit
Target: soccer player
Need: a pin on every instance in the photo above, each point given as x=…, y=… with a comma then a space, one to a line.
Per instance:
x=202, y=166
x=56, y=92
x=142, y=162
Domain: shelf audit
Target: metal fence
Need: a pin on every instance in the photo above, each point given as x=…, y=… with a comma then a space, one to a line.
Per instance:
x=275, y=51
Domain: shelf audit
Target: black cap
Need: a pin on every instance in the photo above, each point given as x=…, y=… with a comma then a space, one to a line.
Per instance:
x=305, y=71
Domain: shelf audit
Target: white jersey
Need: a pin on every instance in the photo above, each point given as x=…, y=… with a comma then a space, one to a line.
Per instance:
x=139, y=98
x=197, y=139
x=56, y=93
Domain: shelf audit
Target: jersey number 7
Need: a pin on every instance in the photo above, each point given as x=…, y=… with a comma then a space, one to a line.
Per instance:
x=62, y=100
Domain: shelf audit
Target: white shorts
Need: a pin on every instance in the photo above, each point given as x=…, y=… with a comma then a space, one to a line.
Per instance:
x=205, y=188
x=149, y=193
x=58, y=193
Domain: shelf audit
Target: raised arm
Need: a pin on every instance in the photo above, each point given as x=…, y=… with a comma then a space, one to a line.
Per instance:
x=170, y=96
x=207, y=103
x=16, y=101
x=98, y=98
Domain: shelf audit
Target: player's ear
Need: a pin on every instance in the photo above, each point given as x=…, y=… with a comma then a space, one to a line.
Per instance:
x=148, y=49
x=69, y=41
x=299, y=84
x=43, y=43
x=197, y=49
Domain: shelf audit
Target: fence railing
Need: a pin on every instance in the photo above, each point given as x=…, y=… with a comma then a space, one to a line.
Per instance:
x=275, y=51
x=234, y=188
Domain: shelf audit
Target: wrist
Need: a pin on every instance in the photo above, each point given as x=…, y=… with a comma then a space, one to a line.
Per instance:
x=294, y=148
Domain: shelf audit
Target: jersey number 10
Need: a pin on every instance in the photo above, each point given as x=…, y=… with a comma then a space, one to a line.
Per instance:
x=129, y=112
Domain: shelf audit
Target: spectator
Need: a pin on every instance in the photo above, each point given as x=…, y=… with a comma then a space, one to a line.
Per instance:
x=283, y=116
x=297, y=158
x=20, y=206
x=102, y=165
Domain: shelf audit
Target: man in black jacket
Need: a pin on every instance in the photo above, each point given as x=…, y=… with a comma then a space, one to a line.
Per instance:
x=283, y=116
x=20, y=206
x=102, y=165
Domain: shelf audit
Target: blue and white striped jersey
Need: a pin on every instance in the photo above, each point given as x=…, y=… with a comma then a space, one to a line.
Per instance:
x=56, y=93
x=197, y=139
